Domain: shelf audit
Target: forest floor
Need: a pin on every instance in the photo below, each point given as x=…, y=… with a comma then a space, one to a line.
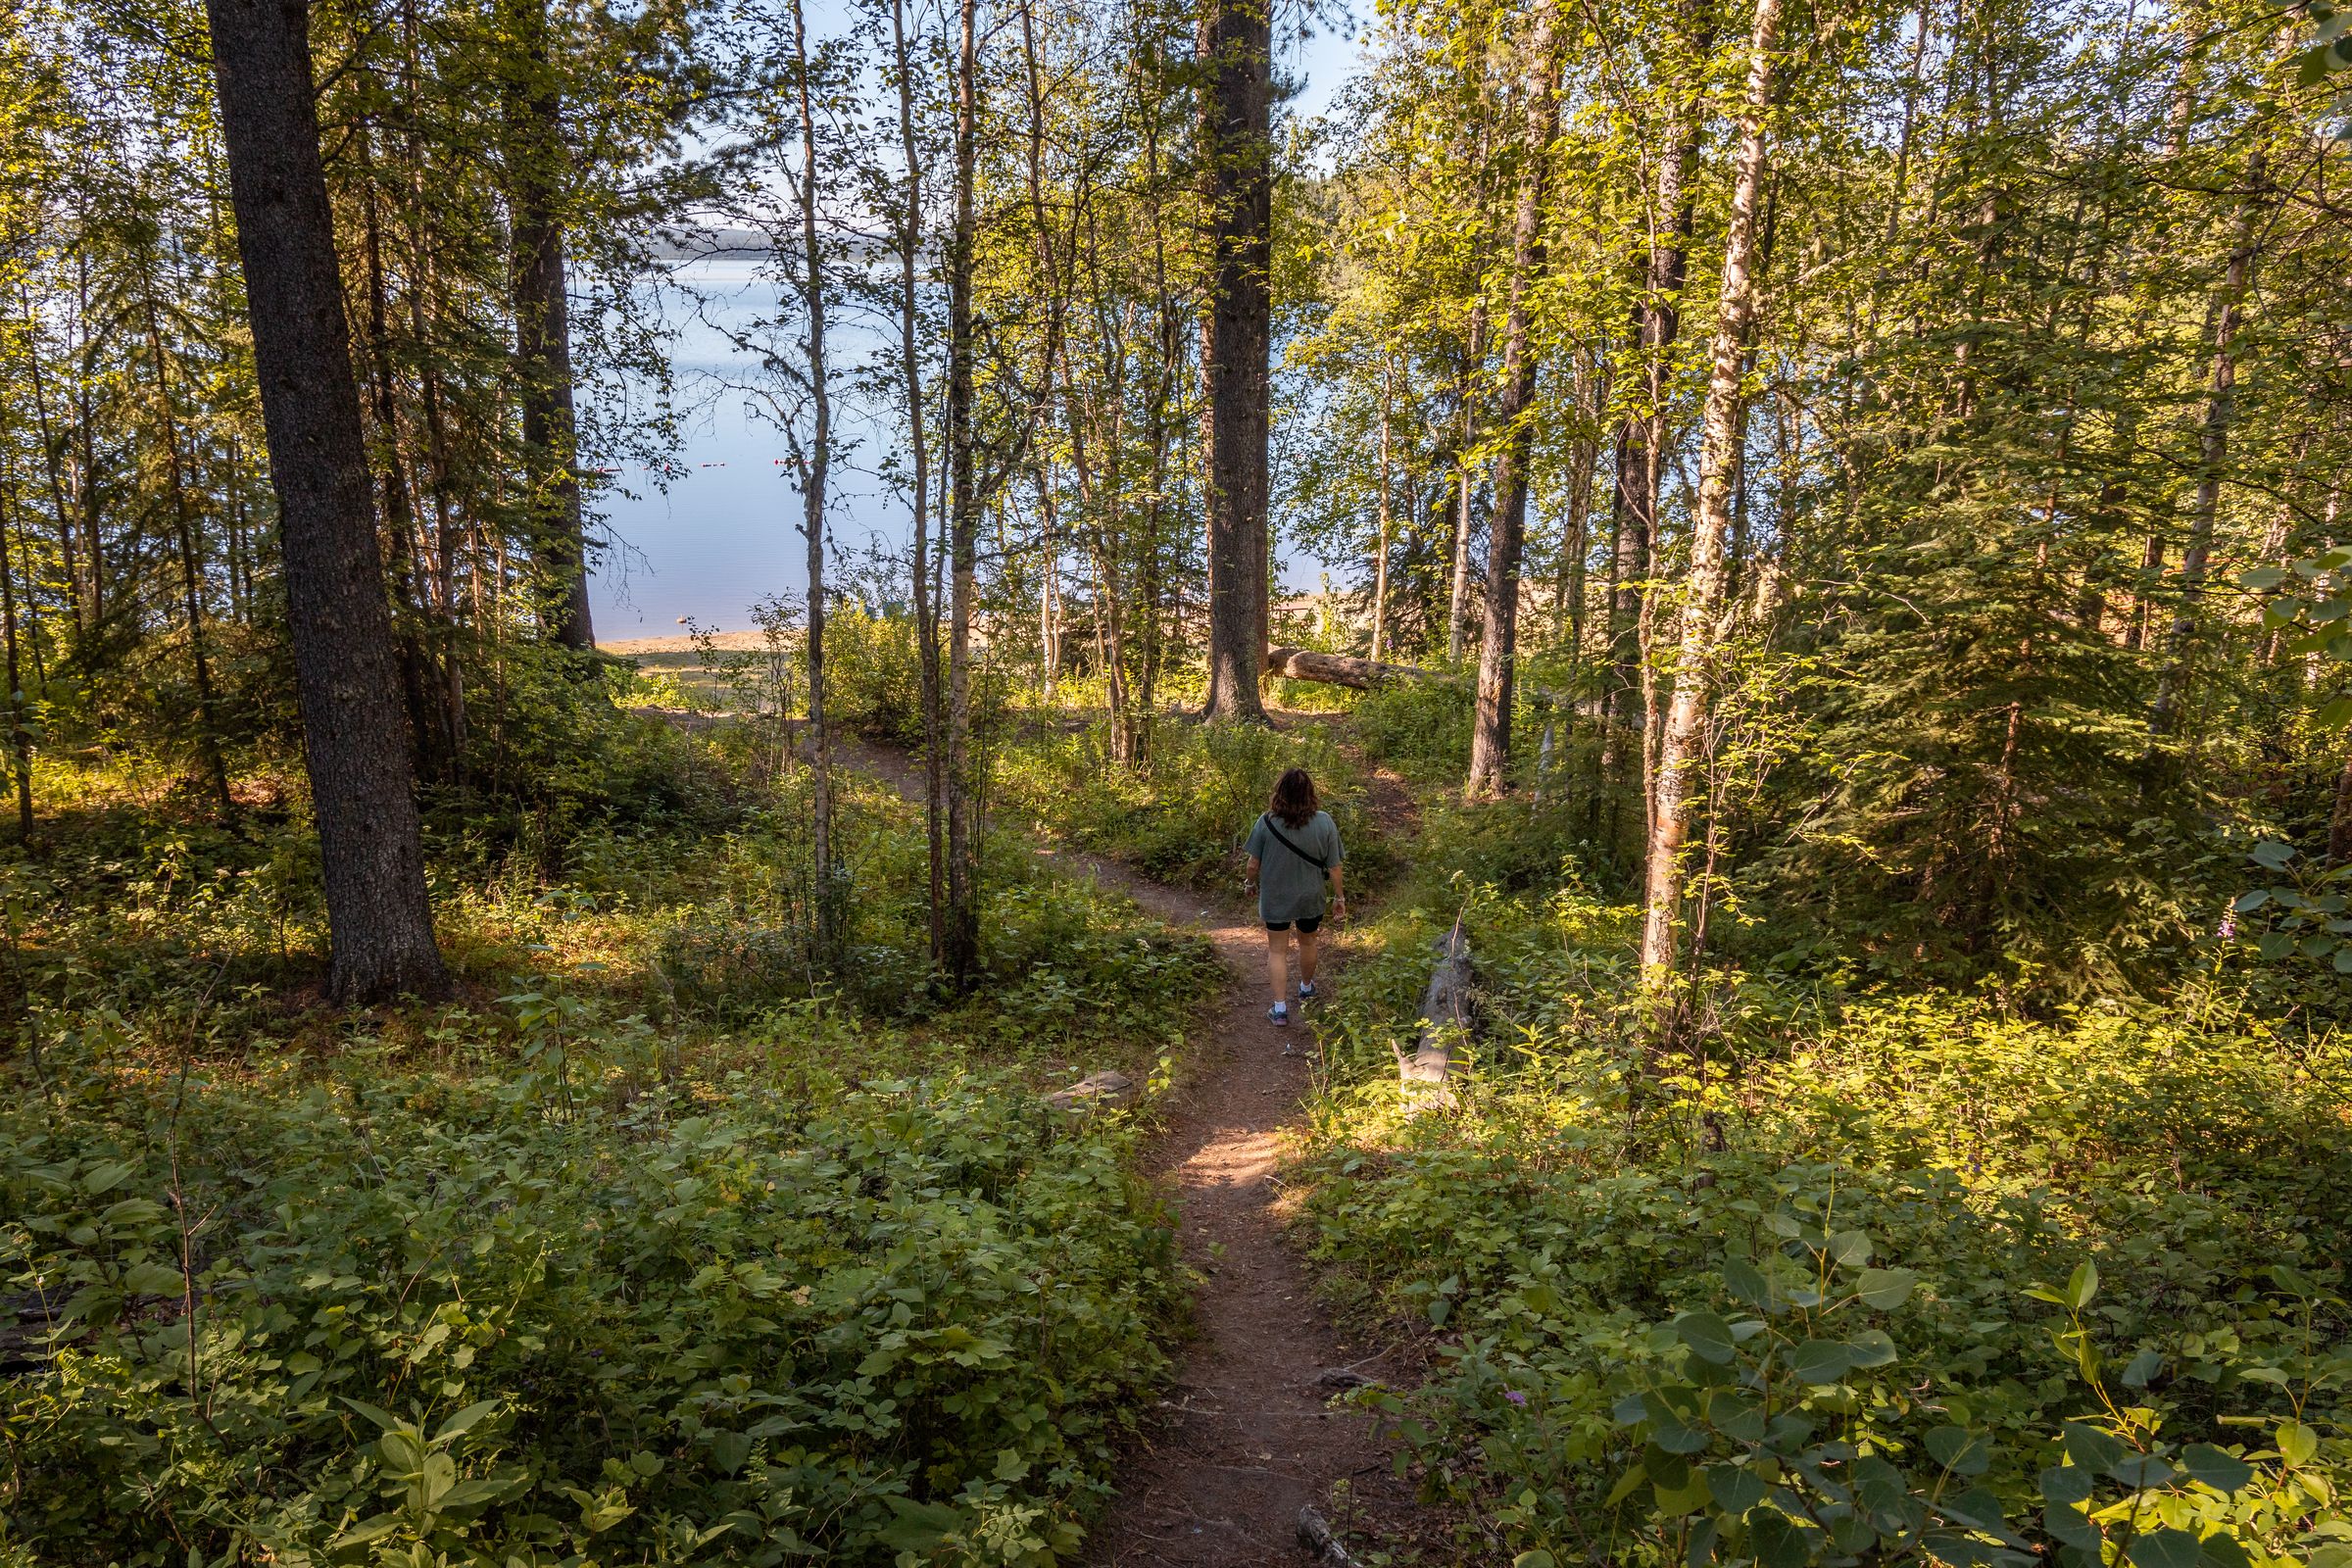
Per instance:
x=1249, y=1433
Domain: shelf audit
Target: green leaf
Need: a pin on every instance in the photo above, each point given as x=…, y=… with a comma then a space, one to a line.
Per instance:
x=729, y=1450
x=107, y=1175
x=2069, y=1524
x=154, y=1278
x=359, y=1535
x=2064, y=1483
x=919, y=1525
x=1628, y=1483
x=1886, y=1288
x=1735, y=1490
x=1871, y=1348
x=2082, y=1285
x=1537, y=1558
x=1820, y=1361
x=465, y=1420
x=2247, y=903
x=2164, y=1548
x=1777, y=1542
x=2143, y=1366
x=2090, y=1447
x=1746, y=1283
x=2209, y=1466
x=1011, y=1464
x=1708, y=1335
x=377, y=1414
x=1958, y=1452
x=1850, y=1249
x=2297, y=1443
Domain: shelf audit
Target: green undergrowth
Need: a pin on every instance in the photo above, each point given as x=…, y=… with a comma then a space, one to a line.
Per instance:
x=1872, y=1276
x=662, y=1242
x=1182, y=812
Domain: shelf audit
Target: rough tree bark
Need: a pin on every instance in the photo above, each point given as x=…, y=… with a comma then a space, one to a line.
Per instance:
x=2213, y=453
x=1499, y=643
x=1640, y=465
x=340, y=625
x=535, y=178
x=1237, y=327
x=812, y=463
x=1681, y=750
x=911, y=364
x=961, y=919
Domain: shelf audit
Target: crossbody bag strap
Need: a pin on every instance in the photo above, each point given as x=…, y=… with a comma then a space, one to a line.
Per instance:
x=1317, y=862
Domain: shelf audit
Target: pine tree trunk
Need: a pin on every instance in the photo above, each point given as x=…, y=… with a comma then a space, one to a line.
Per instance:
x=962, y=920
x=814, y=460
x=910, y=362
x=1682, y=747
x=1380, y=560
x=1499, y=643
x=1237, y=327
x=2213, y=453
x=1457, y=600
x=535, y=176
x=19, y=733
x=362, y=782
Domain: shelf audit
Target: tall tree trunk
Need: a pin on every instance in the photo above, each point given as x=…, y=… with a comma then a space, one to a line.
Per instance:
x=1499, y=643
x=911, y=367
x=362, y=782
x=1236, y=328
x=1640, y=458
x=425, y=716
x=1681, y=749
x=962, y=922
x=53, y=465
x=814, y=458
x=1457, y=598
x=19, y=733
x=192, y=575
x=1380, y=560
x=2213, y=453
x=537, y=171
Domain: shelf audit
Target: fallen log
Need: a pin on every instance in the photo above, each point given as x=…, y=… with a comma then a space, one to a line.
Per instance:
x=1426, y=1075
x=1341, y=669
x=1108, y=1090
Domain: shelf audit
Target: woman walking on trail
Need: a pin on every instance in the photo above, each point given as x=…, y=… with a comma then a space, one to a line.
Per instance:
x=1293, y=855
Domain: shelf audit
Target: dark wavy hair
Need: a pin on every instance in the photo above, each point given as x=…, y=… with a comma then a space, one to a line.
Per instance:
x=1294, y=799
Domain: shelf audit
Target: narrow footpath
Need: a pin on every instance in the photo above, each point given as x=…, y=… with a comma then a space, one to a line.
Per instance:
x=1247, y=1435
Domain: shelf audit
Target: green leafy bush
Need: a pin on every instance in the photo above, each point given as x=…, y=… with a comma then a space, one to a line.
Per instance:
x=1181, y=815
x=1829, y=1291
x=435, y=1320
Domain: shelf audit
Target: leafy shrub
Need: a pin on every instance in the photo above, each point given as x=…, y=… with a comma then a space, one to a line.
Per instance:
x=476, y=1321
x=1181, y=815
x=1830, y=1292
x=1420, y=728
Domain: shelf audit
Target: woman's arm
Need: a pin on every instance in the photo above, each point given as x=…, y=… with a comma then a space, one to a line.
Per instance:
x=1249, y=882
x=1339, y=892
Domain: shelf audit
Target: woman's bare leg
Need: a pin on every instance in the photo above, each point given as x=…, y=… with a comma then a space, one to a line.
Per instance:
x=1306, y=957
x=1278, y=965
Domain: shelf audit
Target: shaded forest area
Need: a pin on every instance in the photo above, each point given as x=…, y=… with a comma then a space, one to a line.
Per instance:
x=1829, y=518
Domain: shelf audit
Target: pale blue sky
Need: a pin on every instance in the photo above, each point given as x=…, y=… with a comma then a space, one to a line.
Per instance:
x=726, y=532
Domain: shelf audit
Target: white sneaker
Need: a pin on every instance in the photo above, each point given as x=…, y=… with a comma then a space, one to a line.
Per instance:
x=1281, y=1014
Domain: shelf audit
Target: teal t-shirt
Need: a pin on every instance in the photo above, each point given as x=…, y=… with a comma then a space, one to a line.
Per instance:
x=1290, y=887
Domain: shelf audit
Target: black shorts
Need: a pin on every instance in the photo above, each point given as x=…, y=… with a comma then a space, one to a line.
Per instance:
x=1306, y=927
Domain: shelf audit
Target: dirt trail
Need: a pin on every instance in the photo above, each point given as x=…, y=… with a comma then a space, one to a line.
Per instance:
x=1246, y=1436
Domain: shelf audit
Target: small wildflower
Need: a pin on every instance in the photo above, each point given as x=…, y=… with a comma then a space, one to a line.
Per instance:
x=1516, y=1398
x=2228, y=926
